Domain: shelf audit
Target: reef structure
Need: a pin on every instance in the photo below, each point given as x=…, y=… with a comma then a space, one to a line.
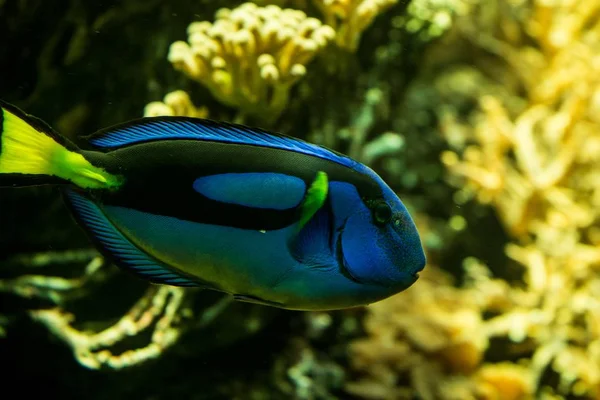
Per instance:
x=350, y=18
x=529, y=148
x=251, y=56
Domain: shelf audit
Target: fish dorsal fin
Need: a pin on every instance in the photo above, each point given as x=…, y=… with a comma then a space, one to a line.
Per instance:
x=123, y=252
x=168, y=128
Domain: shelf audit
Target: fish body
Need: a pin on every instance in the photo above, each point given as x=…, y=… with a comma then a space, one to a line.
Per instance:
x=267, y=218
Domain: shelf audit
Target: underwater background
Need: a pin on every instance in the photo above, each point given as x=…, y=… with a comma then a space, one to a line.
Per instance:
x=483, y=115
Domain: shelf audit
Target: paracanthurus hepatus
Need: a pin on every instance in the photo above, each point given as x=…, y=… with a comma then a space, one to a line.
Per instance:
x=267, y=218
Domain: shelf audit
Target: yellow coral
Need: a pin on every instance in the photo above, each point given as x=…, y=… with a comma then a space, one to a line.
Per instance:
x=350, y=18
x=177, y=103
x=251, y=56
x=417, y=336
x=539, y=166
x=429, y=342
x=531, y=150
x=504, y=381
x=157, y=310
x=431, y=18
x=298, y=4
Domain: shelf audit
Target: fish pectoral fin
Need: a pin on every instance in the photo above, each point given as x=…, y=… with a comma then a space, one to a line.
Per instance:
x=256, y=300
x=312, y=245
x=315, y=198
x=124, y=253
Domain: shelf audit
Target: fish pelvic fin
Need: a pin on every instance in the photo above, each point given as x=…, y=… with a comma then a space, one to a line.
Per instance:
x=31, y=153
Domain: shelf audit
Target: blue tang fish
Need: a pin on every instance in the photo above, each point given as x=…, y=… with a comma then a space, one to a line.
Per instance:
x=265, y=217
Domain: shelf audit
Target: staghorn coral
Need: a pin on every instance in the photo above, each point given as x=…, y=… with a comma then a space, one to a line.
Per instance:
x=251, y=56
x=350, y=18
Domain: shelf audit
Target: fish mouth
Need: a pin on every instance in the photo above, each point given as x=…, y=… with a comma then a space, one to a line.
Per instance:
x=422, y=264
x=416, y=274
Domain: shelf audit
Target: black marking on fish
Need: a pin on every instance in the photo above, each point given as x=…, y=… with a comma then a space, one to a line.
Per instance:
x=160, y=175
x=120, y=250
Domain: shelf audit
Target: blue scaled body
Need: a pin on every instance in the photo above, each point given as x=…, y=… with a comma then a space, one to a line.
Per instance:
x=267, y=218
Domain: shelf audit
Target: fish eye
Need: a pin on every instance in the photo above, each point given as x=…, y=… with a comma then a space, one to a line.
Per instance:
x=382, y=213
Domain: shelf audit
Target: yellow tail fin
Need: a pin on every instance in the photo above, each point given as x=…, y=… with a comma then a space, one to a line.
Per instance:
x=28, y=149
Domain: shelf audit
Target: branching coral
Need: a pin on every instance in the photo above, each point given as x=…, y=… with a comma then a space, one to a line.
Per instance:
x=54, y=288
x=350, y=18
x=160, y=310
x=158, y=307
x=177, y=103
x=431, y=341
x=251, y=56
x=540, y=169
